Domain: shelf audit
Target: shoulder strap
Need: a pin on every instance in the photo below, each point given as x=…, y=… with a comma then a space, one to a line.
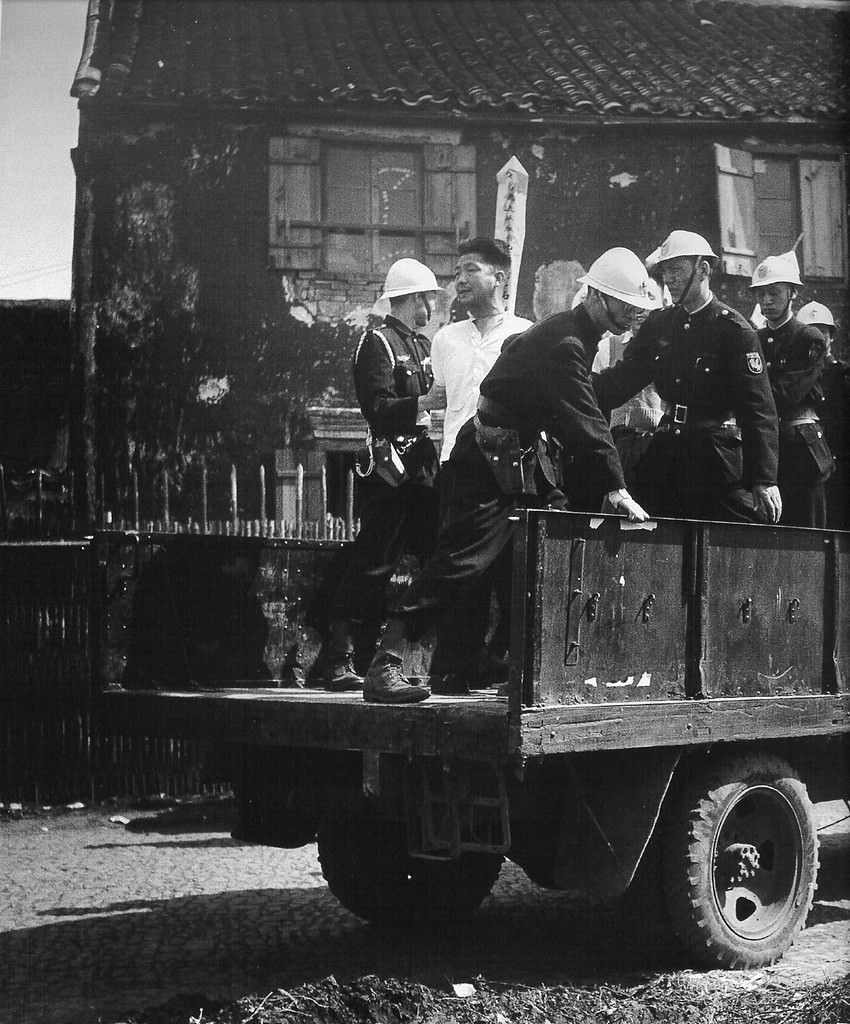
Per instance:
x=374, y=330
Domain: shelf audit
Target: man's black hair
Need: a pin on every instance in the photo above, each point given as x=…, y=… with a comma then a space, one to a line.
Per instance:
x=494, y=251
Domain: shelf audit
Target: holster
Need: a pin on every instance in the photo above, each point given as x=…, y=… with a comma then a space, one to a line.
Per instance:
x=501, y=448
x=388, y=464
x=815, y=442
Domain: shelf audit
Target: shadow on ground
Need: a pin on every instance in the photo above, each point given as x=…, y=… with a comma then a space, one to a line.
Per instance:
x=141, y=952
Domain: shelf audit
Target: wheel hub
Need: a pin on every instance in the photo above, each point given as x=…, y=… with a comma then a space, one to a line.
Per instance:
x=737, y=863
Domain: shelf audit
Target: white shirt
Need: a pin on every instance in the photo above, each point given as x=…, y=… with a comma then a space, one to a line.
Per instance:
x=461, y=357
x=643, y=411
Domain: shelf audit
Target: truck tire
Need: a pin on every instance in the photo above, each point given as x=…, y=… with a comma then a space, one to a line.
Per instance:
x=740, y=861
x=367, y=867
x=452, y=889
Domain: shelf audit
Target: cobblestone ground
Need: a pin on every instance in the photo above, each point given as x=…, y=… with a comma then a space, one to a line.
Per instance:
x=98, y=917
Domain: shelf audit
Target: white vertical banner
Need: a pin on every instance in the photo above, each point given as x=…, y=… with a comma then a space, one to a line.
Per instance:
x=511, y=196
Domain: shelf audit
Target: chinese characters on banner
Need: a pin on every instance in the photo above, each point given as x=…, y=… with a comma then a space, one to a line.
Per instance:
x=511, y=196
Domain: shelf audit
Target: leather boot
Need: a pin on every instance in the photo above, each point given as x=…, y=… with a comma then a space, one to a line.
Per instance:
x=385, y=682
x=340, y=676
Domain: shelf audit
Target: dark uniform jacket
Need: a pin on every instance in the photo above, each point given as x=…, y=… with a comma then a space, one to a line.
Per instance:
x=795, y=360
x=709, y=364
x=392, y=368
x=795, y=355
x=542, y=382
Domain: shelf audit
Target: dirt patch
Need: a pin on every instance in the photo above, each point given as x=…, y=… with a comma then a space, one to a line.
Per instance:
x=671, y=1000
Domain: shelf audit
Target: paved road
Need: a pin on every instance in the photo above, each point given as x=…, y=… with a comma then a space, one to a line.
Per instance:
x=96, y=918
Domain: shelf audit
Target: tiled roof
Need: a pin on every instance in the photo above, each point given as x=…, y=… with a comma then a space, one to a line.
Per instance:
x=596, y=58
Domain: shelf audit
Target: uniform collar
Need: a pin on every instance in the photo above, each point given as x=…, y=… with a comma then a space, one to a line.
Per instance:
x=584, y=328
x=773, y=330
x=695, y=312
x=406, y=333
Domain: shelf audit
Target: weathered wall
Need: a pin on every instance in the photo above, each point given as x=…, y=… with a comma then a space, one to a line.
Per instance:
x=204, y=353
x=592, y=189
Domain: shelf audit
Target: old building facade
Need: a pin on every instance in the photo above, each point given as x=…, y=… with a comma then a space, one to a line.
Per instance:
x=248, y=169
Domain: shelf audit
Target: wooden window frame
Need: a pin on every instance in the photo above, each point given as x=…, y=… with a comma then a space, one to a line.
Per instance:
x=737, y=214
x=298, y=223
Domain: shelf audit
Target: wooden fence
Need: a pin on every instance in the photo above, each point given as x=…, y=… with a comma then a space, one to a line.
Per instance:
x=53, y=745
x=40, y=505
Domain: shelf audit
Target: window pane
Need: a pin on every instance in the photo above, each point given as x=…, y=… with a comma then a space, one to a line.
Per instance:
x=348, y=252
x=346, y=185
x=395, y=197
x=391, y=248
x=776, y=205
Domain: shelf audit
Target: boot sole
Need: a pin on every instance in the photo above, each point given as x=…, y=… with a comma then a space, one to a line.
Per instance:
x=407, y=698
x=348, y=687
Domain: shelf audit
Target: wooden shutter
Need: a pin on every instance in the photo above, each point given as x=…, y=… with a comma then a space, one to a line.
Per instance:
x=736, y=206
x=450, y=203
x=295, y=237
x=822, y=218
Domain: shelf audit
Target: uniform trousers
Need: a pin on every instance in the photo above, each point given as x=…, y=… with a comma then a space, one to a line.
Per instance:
x=471, y=559
x=394, y=521
x=803, y=470
x=694, y=474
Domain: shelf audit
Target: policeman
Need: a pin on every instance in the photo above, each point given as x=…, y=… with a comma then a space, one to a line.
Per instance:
x=540, y=382
x=833, y=414
x=714, y=453
x=795, y=356
x=398, y=496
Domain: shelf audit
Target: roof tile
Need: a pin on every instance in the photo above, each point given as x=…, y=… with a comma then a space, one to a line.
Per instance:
x=689, y=58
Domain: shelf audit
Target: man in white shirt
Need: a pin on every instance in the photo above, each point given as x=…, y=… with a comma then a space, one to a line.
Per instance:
x=462, y=355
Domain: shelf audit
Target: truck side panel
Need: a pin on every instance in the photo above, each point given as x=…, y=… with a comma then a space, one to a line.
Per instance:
x=768, y=603
x=683, y=609
x=613, y=612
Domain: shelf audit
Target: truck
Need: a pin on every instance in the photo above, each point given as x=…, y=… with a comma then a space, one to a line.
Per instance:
x=677, y=700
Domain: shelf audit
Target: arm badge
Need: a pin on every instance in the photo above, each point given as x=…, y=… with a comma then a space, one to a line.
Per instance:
x=754, y=362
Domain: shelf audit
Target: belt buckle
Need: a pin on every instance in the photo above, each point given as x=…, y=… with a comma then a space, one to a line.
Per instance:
x=680, y=415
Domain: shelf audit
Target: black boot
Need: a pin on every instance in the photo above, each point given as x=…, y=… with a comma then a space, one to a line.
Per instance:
x=340, y=675
x=386, y=683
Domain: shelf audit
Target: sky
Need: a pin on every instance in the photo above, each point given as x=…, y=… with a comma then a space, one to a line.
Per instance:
x=40, y=46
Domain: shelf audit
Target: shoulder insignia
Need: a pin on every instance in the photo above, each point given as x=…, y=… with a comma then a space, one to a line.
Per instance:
x=378, y=334
x=754, y=362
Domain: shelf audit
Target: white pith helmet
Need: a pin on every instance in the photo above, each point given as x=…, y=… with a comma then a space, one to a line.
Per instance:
x=682, y=243
x=817, y=314
x=618, y=272
x=782, y=269
x=407, y=277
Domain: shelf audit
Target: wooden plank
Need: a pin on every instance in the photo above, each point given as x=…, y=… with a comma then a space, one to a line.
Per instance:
x=765, y=593
x=468, y=728
x=557, y=730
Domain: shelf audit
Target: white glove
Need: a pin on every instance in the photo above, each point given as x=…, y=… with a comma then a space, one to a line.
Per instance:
x=768, y=501
x=622, y=501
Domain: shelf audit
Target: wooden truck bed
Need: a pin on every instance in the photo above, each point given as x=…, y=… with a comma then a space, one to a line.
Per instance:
x=678, y=634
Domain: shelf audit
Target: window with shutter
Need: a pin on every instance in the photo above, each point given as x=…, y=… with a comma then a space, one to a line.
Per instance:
x=770, y=203
x=736, y=200
x=356, y=208
x=823, y=221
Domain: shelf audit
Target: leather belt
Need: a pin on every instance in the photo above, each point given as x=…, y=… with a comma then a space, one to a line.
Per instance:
x=494, y=414
x=679, y=417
